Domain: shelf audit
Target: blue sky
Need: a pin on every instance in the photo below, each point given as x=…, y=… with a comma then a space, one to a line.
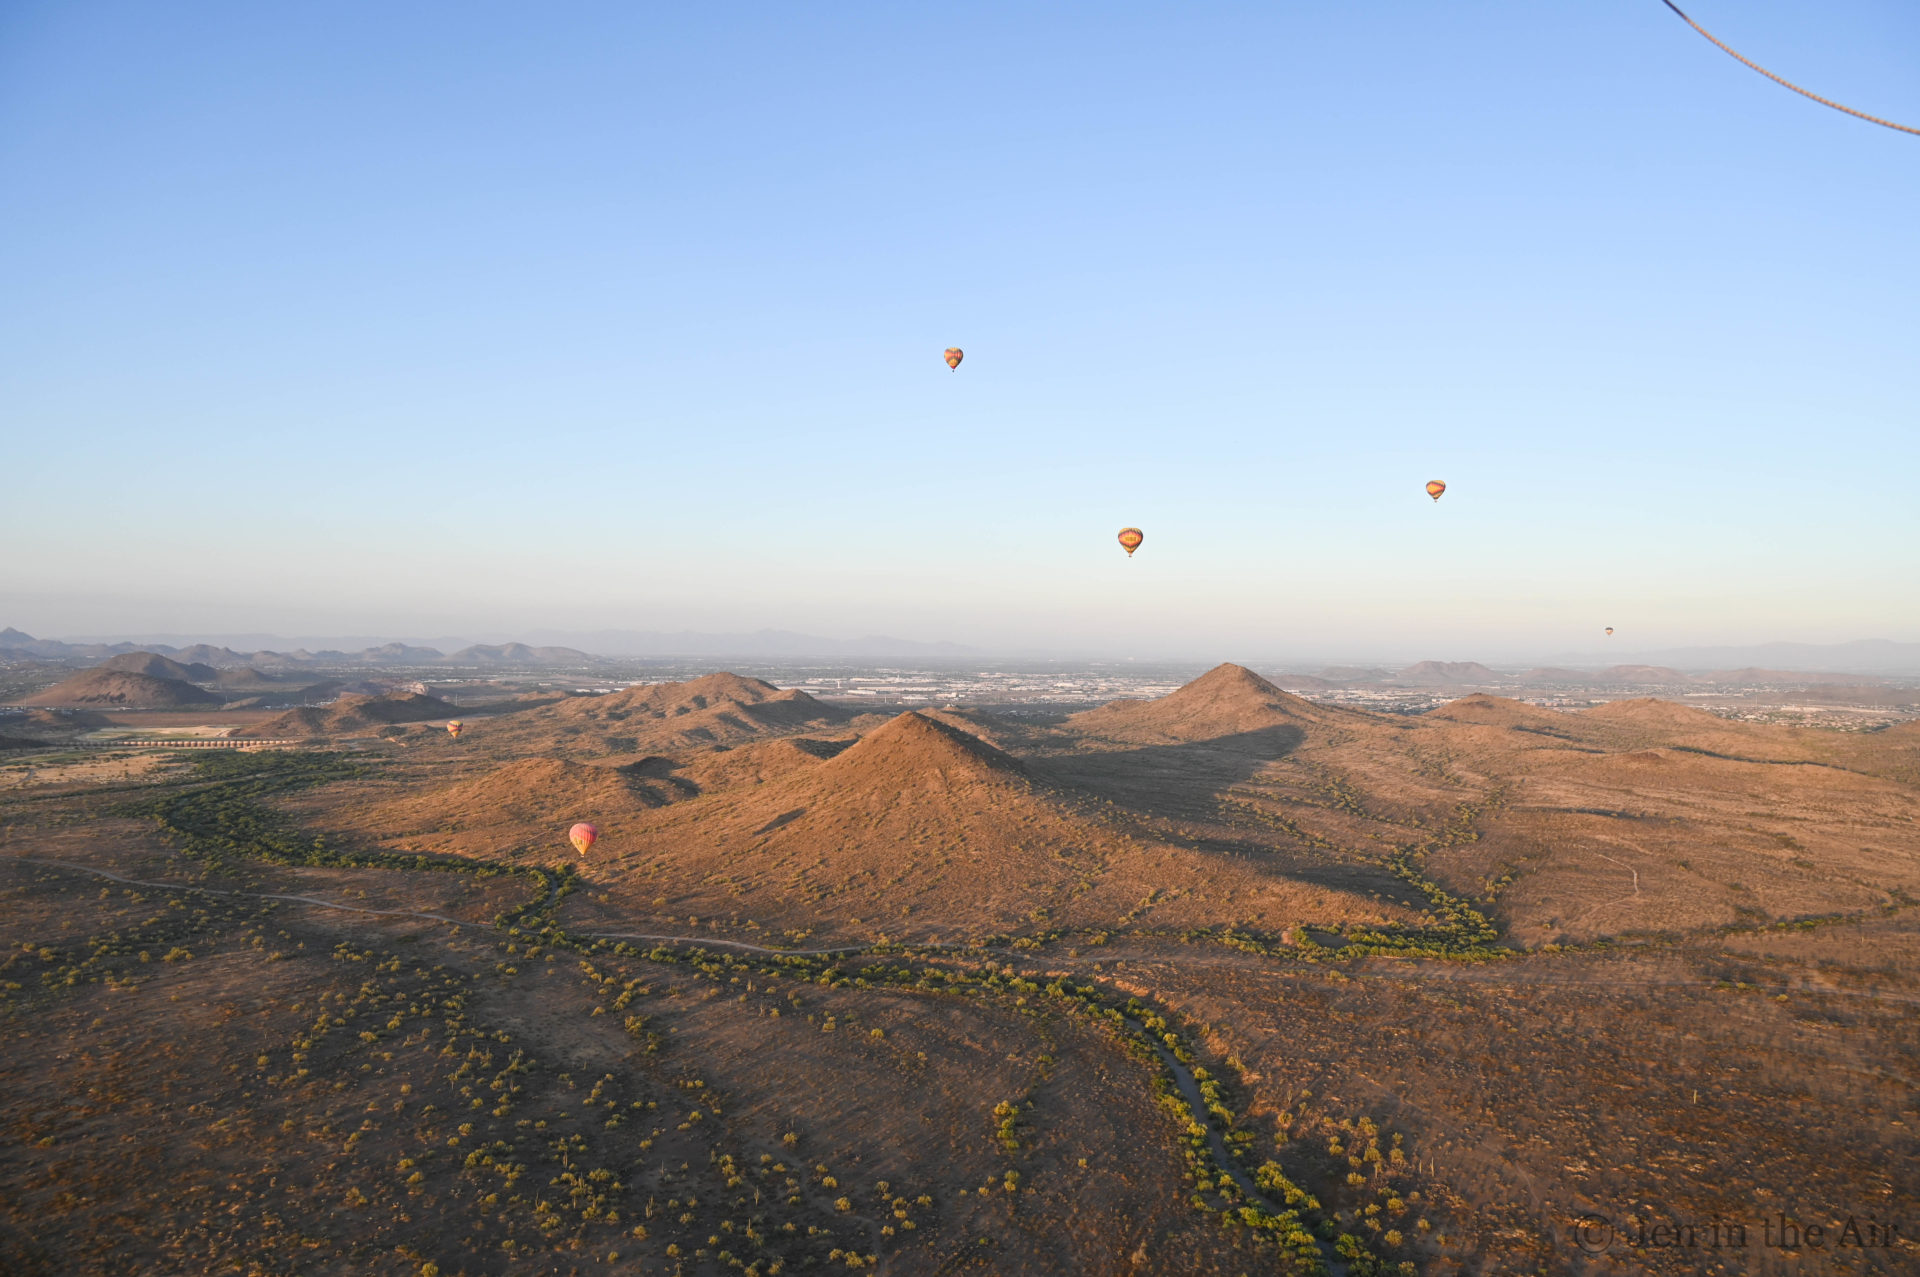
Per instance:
x=487, y=318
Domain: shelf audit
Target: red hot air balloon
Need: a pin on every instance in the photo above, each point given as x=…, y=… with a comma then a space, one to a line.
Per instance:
x=1435, y=487
x=954, y=356
x=1130, y=539
x=455, y=727
x=583, y=837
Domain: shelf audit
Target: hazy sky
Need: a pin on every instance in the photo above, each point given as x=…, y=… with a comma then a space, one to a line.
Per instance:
x=419, y=319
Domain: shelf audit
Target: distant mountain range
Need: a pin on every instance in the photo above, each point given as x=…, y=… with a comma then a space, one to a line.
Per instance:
x=558, y=649
x=16, y=644
x=776, y=644
x=549, y=649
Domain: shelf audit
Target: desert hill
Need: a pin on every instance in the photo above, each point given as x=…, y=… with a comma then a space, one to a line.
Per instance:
x=1638, y=815
x=516, y=654
x=1497, y=711
x=1229, y=700
x=711, y=692
x=1227, y=800
x=921, y=827
x=247, y=679
x=1650, y=723
x=208, y=654
x=916, y=748
x=527, y=802
x=354, y=714
x=228, y=678
x=913, y=807
x=1641, y=674
x=398, y=653
x=1645, y=815
x=43, y=726
x=1893, y=753
x=1651, y=711
x=156, y=666
x=715, y=709
x=1007, y=735
x=1441, y=673
x=128, y=690
x=730, y=766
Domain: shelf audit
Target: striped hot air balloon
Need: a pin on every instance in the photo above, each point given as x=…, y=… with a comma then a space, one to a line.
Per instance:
x=1130, y=539
x=954, y=356
x=1435, y=487
x=583, y=837
x=455, y=727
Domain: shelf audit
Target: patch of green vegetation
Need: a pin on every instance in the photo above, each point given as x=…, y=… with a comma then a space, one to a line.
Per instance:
x=1459, y=931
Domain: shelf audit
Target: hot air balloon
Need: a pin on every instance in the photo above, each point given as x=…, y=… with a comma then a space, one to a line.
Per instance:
x=455, y=727
x=583, y=836
x=954, y=356
x=1435, y=487
x=1609, y=631
x=1130, y=539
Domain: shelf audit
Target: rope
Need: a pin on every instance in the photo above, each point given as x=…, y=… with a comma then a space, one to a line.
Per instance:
x=1862, y=115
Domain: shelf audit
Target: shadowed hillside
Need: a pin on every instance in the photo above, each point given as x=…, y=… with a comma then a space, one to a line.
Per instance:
x=351, y=714
x=921, y=826
x=916, y=827
x=155, y=666
x=51, y=725
x=124, y=689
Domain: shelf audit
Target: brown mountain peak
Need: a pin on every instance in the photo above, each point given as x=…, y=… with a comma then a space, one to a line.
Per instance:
x=1231, y=683
x=709, y=690
x=153, y=665
x=1653, y=711
x=726, y=685
x=914, y=742
x=1228, y=700
x=124, y=688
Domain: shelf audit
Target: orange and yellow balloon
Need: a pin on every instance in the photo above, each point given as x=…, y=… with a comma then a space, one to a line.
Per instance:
x=1130, y=539
x=1435, y=487
x=455, y=727
x=954, y=356
x=583, y=836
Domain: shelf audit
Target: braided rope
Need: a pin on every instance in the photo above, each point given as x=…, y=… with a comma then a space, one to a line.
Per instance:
x=1872, y=119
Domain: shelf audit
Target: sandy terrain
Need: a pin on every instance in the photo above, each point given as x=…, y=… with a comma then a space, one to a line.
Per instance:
x=1221, y=983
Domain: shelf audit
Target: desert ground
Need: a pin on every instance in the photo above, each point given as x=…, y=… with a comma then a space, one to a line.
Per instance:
x=1226, y=981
